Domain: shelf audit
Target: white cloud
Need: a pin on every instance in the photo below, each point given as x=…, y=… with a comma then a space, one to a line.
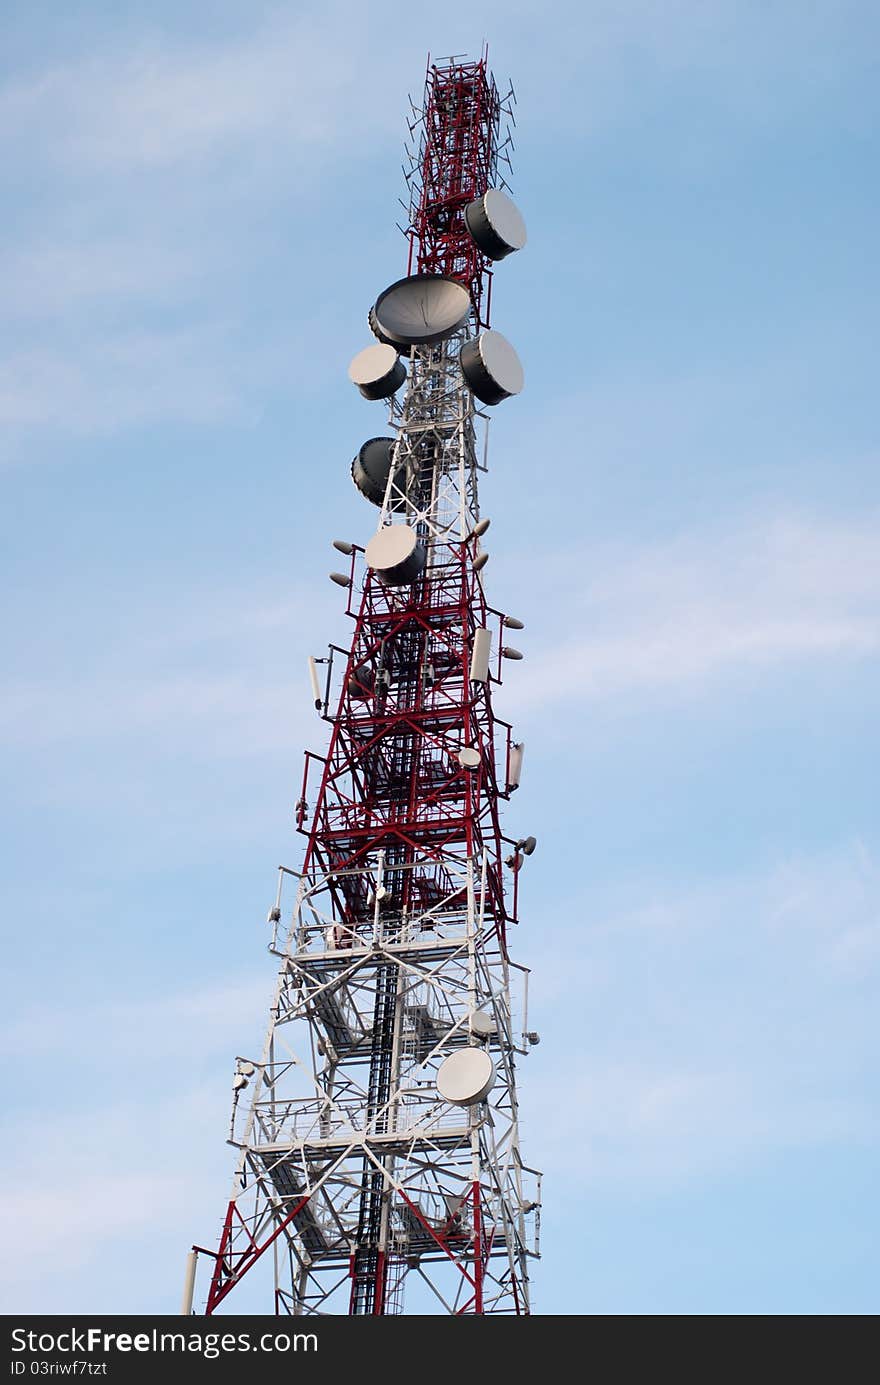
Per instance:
x=79, y=1190
x=152, y=151
x=717, y=1024
x=701, y=1031
x=680, y=615
x=140, y=1159
x=152, y=157
x=310, y=79
x=207, y=675
x=154, y=103
x=71, y=1223
x=661, y=1125
x=123, y=380
x=679, y=619
x=162, y=1028
x=52, y=277
x=214, y=714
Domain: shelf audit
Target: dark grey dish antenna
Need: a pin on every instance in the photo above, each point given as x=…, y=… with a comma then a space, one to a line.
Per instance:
x=377, y=331
x=377, y=371
x=491, y=368
x=372, y=467
x=495, y=225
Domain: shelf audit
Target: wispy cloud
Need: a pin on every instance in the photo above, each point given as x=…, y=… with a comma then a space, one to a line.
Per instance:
x=663, y=1124
x=716, y=1024
x=788, y=595
x=90, y=1186
x=145, y=146
x=54, y=277
x=117, y=1157
x=720, y=1022
x=789, y=592
x=157, y=103
x=177, y=1023
x=206, y=675
x=122, y=380
x=143, y=152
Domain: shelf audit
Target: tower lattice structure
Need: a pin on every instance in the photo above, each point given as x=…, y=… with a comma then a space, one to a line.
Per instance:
x=357, y=1182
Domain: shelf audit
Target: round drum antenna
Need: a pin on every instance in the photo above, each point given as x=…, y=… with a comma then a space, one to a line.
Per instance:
x=495, y=225
x=396, y=555
x=377, y=371
x=371, y=468
x=491, y=368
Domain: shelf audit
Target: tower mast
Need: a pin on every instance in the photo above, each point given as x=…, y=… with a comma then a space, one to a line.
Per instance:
x=378, y=1139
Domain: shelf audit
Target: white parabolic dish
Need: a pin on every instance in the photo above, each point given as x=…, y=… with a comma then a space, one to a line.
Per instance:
x=466, y=1077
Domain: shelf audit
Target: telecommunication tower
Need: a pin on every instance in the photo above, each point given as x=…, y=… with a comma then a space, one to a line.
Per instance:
x=379, y=1157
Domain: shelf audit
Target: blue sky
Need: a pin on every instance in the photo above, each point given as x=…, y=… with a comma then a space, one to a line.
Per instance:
x=200, y=207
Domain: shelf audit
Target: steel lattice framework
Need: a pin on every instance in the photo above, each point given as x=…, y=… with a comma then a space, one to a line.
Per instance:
x=352, y=1169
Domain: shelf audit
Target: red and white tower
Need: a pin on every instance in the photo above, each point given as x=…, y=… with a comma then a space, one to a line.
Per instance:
x=379, y=1158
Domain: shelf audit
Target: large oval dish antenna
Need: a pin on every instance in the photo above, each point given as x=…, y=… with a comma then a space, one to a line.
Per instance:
x=420, y=310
